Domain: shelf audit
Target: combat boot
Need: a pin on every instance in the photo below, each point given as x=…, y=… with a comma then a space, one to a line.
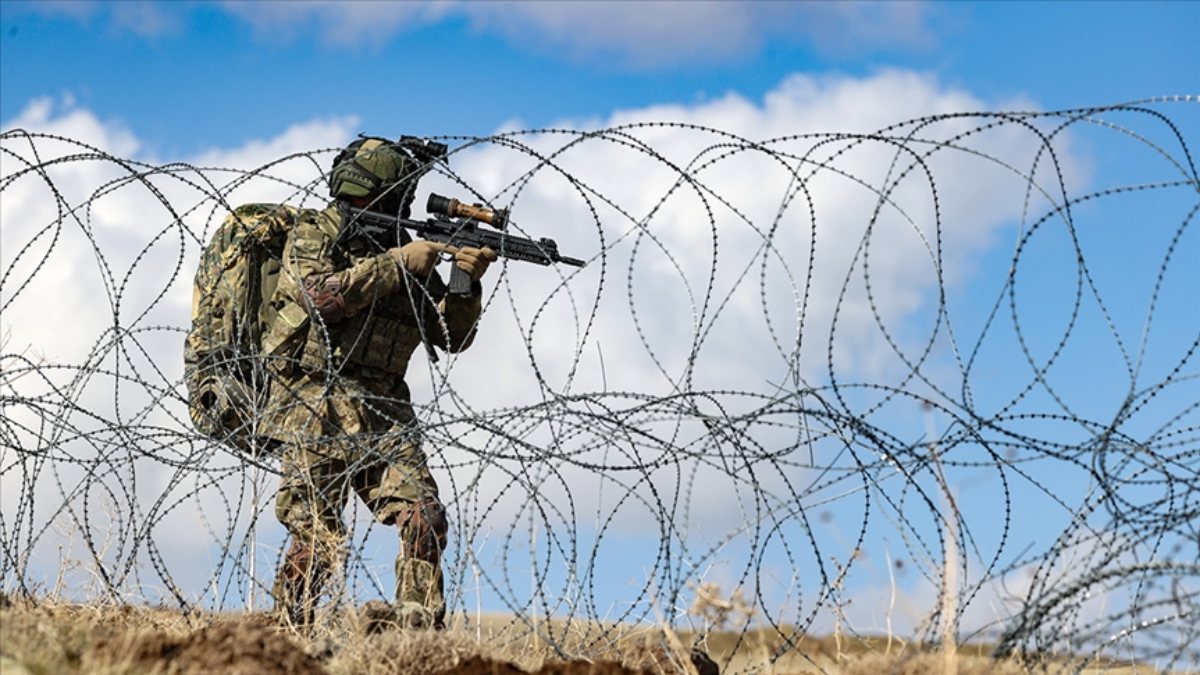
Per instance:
x=419, y=600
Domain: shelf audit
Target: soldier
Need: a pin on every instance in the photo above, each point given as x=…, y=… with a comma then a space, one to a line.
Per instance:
x=351, y=312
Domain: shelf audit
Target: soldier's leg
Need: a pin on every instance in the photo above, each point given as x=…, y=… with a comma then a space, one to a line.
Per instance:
x=419, y=578
x=402, y=492
x=312, y=494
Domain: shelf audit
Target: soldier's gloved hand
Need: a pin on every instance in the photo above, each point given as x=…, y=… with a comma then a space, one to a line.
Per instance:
x=418, y=257
x=473, y=261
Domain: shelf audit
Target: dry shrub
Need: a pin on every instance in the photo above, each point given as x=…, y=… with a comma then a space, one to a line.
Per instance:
x=923, y=664
x=55, y=637
x=477, y=665
x=458, y=652
x=500, y=650
x=415, y=652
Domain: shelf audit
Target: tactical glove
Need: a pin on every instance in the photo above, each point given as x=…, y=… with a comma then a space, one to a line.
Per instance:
x=474, y=261
x=418, y=257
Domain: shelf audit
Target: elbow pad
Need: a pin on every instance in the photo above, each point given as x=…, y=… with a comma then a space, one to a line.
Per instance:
x=324, y=295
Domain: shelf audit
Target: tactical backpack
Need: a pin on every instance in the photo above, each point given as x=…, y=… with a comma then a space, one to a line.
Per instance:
x=231, y=310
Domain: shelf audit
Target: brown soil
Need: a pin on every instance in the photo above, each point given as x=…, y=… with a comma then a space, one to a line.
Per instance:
x=237, y=648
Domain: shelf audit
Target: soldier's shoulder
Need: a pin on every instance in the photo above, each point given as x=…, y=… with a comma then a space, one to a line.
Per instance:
x=266, y=210
x=323, y=223
x=262, y=219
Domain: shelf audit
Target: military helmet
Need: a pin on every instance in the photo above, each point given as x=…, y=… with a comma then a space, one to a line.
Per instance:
x=370, y=167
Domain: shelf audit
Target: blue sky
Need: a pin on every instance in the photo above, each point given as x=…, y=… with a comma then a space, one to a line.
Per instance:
x=239, y=84
x=187, y=75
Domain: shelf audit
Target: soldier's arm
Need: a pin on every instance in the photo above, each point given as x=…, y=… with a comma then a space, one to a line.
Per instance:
x=453, y=324
x=311, y=280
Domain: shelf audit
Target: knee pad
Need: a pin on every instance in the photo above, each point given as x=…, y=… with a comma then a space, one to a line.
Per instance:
x=423, y=528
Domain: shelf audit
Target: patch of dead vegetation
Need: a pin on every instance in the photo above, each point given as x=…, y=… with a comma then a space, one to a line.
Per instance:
x=58, y=638
x=478, y=665
x=247, y=647
x=924, y=664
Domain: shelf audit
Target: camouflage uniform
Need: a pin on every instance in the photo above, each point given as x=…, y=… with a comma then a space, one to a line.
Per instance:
x=349, y=319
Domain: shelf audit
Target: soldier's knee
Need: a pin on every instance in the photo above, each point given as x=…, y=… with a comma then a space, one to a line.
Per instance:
x=295, y=514
x=285, y=504
x=304, y=523
x=423, y=528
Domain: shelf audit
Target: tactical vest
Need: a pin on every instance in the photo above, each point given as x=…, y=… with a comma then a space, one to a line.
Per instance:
x=381, y=337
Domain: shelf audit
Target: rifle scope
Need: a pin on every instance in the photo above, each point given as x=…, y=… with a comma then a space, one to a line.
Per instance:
x=424, y=149
x=449, y=206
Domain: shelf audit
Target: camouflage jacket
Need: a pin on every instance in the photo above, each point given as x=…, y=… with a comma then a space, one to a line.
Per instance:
x=348, y=320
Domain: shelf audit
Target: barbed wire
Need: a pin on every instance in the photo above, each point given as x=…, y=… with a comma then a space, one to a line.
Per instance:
x=802, y=368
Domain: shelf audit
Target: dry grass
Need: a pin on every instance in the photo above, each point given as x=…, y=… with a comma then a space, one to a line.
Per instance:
x=52, y=638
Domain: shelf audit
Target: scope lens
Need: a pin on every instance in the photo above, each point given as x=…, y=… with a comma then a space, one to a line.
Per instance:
x=438, y=204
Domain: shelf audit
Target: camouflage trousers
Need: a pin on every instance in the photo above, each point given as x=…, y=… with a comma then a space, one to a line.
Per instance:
x=392, y=479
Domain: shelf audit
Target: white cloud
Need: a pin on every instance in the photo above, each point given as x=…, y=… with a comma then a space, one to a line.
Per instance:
x=705, y=269
x=356, y=23
x=662, y=33
x=147, y=19
x=657, y=33
x=144, y=18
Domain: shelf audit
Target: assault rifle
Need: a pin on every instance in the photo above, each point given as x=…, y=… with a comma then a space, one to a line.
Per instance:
x=457, y=224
